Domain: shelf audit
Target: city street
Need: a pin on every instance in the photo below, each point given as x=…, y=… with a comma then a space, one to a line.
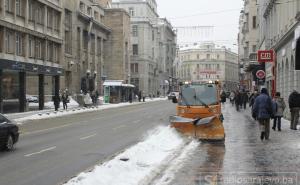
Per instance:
x=52, y=151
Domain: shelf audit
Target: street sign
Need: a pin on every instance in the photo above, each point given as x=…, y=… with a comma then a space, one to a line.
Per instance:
x=265, y=55
x=260, y=74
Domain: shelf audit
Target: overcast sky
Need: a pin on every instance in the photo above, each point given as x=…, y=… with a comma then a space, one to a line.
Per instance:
x=223, y=15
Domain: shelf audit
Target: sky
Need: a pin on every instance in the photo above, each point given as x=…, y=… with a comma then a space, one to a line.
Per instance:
x=223, y=15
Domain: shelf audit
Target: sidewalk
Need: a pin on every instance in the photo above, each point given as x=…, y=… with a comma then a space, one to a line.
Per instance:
x=21, y=118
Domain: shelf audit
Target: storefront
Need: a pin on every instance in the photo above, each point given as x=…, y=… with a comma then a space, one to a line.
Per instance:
x=13, y=75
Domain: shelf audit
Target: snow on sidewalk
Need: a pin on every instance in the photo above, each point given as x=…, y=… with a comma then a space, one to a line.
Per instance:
x=141, y=163
x=78, y=110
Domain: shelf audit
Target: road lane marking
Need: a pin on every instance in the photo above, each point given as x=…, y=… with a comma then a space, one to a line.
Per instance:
x=121, y=126
x=42, y=151
x=137, y=121
x=86, y=137
x=43, y=130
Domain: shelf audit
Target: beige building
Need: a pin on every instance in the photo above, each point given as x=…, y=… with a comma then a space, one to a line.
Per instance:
x=207, y=62
x=248, y=44
x=116, y=48
x=85, y=34
x=31, y=55
x=279, y=29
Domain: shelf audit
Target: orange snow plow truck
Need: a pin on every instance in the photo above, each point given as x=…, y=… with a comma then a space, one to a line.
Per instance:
x=199, y=111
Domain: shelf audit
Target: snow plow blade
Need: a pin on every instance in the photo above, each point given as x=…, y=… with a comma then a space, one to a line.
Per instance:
x=205, y=129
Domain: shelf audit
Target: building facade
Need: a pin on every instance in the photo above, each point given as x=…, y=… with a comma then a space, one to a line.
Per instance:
x=151, y=37
x=205, y=62
x=279, y=29
x=247, y=46
x=116, y=48
x=31, y=51
x=167, y=53
x=84, y=34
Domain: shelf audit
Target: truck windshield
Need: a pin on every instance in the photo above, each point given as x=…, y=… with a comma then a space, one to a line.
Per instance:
x=199, y=95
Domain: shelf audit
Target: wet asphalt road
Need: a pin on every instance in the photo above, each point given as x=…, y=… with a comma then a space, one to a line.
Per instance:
x=244, y=159
x=52, y=151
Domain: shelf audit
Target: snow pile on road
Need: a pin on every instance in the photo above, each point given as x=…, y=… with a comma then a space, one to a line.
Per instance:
x=73, y=108
x=139, y=164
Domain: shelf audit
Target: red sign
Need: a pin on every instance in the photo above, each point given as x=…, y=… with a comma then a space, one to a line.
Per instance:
x=260, y=74
x=265, y=55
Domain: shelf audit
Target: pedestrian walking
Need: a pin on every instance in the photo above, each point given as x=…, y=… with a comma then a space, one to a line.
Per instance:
x=232, y=97
x=263, y=111
x=223, y=97
x=56, y=101
x=279, y=109
x=65, y=98
x=140, y=96
x=238, y=100
x=244, y=99
x=144, y=96
x=294, y=105
x=252, y=98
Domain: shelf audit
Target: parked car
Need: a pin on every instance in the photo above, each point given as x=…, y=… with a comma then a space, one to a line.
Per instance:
x=172, y=95
x=9, y=133
x=32, y=99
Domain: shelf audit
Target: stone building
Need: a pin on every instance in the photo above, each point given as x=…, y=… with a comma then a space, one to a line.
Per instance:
x=279, y=29
x=248, y=44
x=152, y=40
x=31, y=51
x=167, y=54
x=116, y=48
x=84, y=34
x=208, y=62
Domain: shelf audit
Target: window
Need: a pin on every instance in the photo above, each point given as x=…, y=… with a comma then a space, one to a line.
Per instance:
x=89, y=11
x=18, y=8
x=198, y=56
x=68, y=41
x=135, y=49
x=152, y=35
x=134, y=30
x=218, y=66
x=198, y=66
x=9, y=6
x=207, y=56
x=9, y=42
x=39, y=15
x=96, y=15
x=253, y=48
x=19, y=44
x=38, y=49
x=82, y=7
x=254, y=22
x=93, y=44
x=99, y=46
x=131, y=11
x=56, y=21
x=55, y=53
x=31, y=11
x=85, y=40
x=49, y=18
x=134, y=68
x=50, y=51
x=218, y=56
x=31, y=47
x=152, y=52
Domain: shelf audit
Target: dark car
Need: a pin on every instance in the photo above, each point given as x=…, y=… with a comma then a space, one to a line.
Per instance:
x=9, y=133
x=172, y=95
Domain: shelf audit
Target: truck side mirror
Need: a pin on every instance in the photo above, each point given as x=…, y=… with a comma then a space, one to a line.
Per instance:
x=174, y=100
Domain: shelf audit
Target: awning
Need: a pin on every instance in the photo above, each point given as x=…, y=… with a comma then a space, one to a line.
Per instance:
x=112, y=83
x=116, y=83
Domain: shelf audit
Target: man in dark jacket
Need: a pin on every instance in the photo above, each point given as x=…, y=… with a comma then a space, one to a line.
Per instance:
x=263, y=112
x=294, y=104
